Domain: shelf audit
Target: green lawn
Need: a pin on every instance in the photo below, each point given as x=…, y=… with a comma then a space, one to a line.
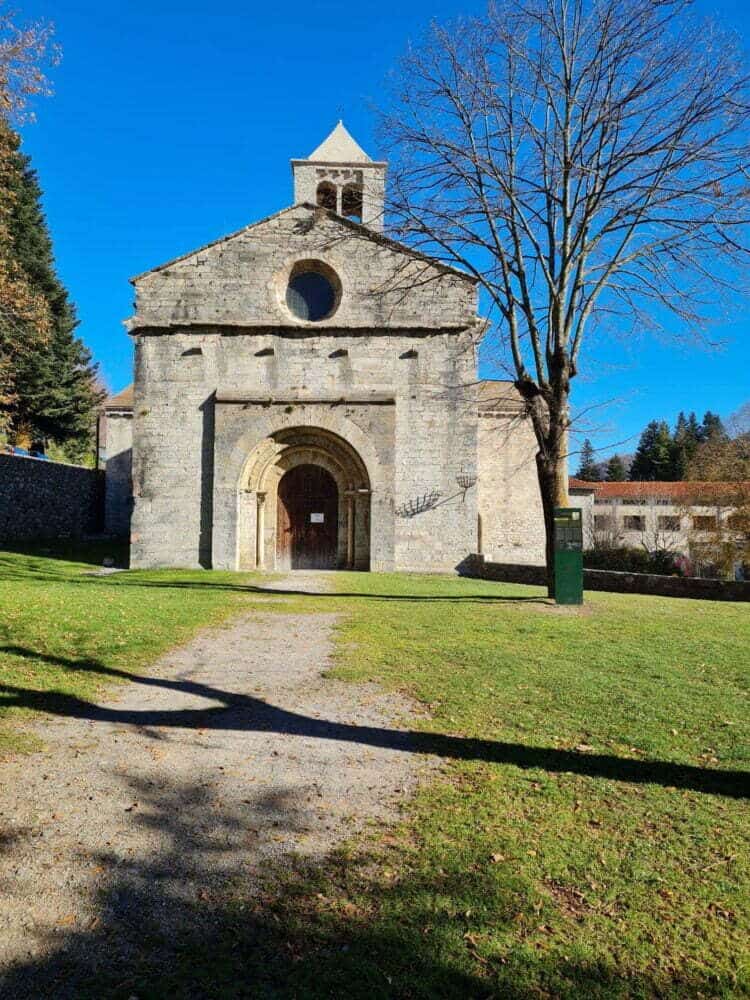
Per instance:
x=587, y=836
x=65, y=631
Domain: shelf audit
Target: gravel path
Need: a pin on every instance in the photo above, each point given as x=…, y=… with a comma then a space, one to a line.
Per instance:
x=229, y=752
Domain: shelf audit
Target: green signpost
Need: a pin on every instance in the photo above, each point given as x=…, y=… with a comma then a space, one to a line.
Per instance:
x=568, y=555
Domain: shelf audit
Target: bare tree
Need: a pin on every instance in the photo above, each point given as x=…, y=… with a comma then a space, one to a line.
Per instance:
x=25, y=52
x=739, y=421
x=585, y=160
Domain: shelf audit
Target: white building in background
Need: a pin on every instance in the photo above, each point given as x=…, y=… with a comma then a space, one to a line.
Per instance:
x=684, y=518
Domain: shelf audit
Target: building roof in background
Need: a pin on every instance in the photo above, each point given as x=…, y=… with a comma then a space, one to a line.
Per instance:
x=679, y=492
x=498, y=396
x=120, y=401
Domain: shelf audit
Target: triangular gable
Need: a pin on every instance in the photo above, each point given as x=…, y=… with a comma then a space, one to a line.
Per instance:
x=362, y=231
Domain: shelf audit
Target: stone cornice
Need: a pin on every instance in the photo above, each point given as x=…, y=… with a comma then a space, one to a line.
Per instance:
x=289, y=399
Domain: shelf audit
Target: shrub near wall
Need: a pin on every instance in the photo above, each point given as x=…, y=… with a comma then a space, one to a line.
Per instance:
x=48, y=499
x=630, y=560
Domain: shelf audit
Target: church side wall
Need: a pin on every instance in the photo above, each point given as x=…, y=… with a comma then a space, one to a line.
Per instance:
x=118, y=485
x=172, y=454
x=436, y=441
x=510, y=507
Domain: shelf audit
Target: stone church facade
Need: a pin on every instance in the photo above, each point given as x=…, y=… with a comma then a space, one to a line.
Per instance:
x=306, y=396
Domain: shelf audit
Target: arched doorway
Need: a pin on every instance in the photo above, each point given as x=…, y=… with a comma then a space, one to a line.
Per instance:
x=332, y=481
x=307, y=519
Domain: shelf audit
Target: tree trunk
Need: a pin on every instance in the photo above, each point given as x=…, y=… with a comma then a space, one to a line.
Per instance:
x=547, y=492
x=552, y=473
x=549, y=418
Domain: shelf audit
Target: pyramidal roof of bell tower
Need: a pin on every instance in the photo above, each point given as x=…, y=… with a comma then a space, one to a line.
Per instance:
x=339, y=147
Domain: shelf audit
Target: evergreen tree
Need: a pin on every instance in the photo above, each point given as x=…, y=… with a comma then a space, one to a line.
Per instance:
x=686, y=440
x=588, y=470
x=712, y=428
x=55, y=386
x=693, y=428
x=654, y=457
x=616, y=471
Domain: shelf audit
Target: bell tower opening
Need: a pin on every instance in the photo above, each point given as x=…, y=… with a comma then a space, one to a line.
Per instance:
x=325, y=196
x=340, y=176
x=351, y=202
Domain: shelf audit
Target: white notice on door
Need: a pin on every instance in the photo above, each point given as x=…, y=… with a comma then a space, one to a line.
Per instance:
x=317, y=518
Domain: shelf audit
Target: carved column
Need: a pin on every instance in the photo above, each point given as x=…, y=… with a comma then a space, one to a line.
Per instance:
x=260, y=528
x=351, y=510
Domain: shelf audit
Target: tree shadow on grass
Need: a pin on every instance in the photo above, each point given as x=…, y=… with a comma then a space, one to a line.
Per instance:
x=185, y=918
x=139, y=579
x=242, y=712
x=247, y=588
x=92, y=551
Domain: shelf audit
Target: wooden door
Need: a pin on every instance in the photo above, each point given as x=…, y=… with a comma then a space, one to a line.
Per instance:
x=307, y=519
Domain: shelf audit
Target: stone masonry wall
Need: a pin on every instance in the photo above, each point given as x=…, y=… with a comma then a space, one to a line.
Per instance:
x=241, y=281
x=215, y=325
x=510, y=507
x=615, y=582
x=48, y=499
x=370, y=176
x=183, y=446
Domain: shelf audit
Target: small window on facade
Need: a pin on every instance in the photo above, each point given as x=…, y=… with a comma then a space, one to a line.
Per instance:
x=704, y=522
x=602, y=522
x=351, y=202
x=669, y=522
x=326, y=195
x=635, y=522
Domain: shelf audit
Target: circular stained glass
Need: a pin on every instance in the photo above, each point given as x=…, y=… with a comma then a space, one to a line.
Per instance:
x=311, y=295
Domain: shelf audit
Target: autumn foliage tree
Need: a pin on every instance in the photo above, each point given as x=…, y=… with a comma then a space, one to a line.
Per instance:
x=24, y=314
x=586, y=161
x=724, y=462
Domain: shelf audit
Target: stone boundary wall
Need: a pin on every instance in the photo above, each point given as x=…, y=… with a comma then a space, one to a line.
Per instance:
x=41, y=499
x=615, y=582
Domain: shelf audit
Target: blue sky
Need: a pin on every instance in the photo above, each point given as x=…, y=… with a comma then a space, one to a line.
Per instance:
x=173, y=123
